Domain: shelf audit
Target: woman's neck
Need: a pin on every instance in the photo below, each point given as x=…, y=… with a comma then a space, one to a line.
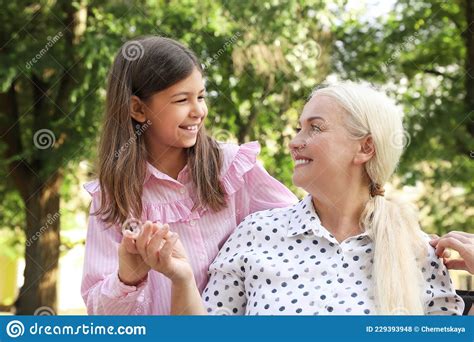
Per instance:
x=340, y=212
x=169, y=161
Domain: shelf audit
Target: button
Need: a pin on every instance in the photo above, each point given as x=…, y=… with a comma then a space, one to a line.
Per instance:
x=192, y=222
x=182, y=191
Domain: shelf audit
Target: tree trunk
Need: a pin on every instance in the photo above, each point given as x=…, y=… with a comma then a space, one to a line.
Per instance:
x=42, y=247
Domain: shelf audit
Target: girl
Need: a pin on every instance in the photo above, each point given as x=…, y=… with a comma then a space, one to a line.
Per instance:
x=344, y=249
x=156, y=163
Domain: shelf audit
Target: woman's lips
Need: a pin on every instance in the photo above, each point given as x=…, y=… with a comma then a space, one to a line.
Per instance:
x=301, y=162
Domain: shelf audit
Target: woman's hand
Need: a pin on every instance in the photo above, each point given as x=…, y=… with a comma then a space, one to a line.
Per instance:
x=132, y=268
x=461, y=242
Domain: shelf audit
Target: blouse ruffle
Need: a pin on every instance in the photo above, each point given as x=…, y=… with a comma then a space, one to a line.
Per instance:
x=243, y=160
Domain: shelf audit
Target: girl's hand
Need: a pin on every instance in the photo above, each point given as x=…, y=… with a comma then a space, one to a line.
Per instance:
x=165, y=254
x=461, y=242
x=132, y=268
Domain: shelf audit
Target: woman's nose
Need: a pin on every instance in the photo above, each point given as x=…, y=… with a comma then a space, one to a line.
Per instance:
x=297, y=143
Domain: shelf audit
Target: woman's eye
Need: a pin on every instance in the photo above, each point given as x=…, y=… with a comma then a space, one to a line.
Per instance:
x=316, y=128
x=298, y=129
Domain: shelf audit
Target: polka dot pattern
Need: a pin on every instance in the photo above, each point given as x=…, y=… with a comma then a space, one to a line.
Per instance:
x=284, y=262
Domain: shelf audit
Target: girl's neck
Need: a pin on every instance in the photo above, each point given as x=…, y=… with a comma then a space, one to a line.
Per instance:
x=170, y=160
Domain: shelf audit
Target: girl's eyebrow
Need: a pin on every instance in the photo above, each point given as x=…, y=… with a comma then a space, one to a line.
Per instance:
x=314, y=118
x=187, y=92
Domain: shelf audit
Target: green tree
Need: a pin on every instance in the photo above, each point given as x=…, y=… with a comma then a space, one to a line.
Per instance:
x=261, y=60
x=422, y=52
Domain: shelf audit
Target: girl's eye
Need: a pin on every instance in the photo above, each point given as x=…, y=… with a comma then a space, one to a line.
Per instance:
x=202, y=97
x=180, y=101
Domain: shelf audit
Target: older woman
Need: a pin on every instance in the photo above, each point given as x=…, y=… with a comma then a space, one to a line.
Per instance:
x=343, y=249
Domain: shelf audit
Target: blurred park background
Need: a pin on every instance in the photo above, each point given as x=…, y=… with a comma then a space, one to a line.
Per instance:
x=261, y=58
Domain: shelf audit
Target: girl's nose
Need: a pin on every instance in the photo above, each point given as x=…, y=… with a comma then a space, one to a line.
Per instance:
x=198, y=111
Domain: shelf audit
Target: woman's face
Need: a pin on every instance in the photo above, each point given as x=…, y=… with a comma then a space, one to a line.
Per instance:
x=177, y=113
x=322, y=150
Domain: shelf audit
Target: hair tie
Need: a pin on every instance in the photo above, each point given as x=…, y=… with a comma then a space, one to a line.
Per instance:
x=376, y=190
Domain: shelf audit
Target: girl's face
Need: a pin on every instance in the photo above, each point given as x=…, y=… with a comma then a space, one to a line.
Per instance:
x=322, y=149
x=176, y=114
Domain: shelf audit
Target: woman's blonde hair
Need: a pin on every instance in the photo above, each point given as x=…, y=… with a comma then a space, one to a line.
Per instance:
x=392, y=225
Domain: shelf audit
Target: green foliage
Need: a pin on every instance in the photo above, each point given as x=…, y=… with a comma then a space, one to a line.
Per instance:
x=262, y=59
x=418, y=54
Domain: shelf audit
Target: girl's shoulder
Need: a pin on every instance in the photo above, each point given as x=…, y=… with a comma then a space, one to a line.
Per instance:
x=92, y=187
x=244, y=155
x=236, y=162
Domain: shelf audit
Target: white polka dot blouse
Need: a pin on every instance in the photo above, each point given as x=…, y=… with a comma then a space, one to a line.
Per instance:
x=284, y=262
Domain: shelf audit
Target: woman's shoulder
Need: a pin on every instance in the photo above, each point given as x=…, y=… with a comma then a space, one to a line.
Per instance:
x=268, y=218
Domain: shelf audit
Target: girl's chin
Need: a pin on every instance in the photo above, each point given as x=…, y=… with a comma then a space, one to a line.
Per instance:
x=186, y=143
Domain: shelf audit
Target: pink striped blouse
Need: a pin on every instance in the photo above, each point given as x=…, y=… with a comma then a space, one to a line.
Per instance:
x=249, y=187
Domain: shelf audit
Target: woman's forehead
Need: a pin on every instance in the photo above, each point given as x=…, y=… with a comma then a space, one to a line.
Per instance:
x=322, y=107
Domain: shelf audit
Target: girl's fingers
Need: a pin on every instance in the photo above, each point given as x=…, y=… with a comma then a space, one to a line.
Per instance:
x=167, y=250
x=143, y=238
x=456, y=264
x=155, y=245
x=129, y=244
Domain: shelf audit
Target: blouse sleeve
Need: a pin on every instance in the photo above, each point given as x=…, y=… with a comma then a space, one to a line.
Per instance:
x=254, y=188
x=440, y=296
x=266, y=192
x=225, y=291
x=101, y=289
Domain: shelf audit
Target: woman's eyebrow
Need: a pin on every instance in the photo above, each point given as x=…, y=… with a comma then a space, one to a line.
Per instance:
x=314, y=118
x=188, y=92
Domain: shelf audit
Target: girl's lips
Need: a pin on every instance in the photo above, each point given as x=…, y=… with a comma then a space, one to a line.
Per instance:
x=192, y=129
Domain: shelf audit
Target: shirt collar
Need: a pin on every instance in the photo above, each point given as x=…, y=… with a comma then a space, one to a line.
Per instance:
x=153, y=172
x=304, y=219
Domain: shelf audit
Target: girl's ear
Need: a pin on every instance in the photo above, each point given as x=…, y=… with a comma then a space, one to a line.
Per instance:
x=137, y=109
x=366, y=150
